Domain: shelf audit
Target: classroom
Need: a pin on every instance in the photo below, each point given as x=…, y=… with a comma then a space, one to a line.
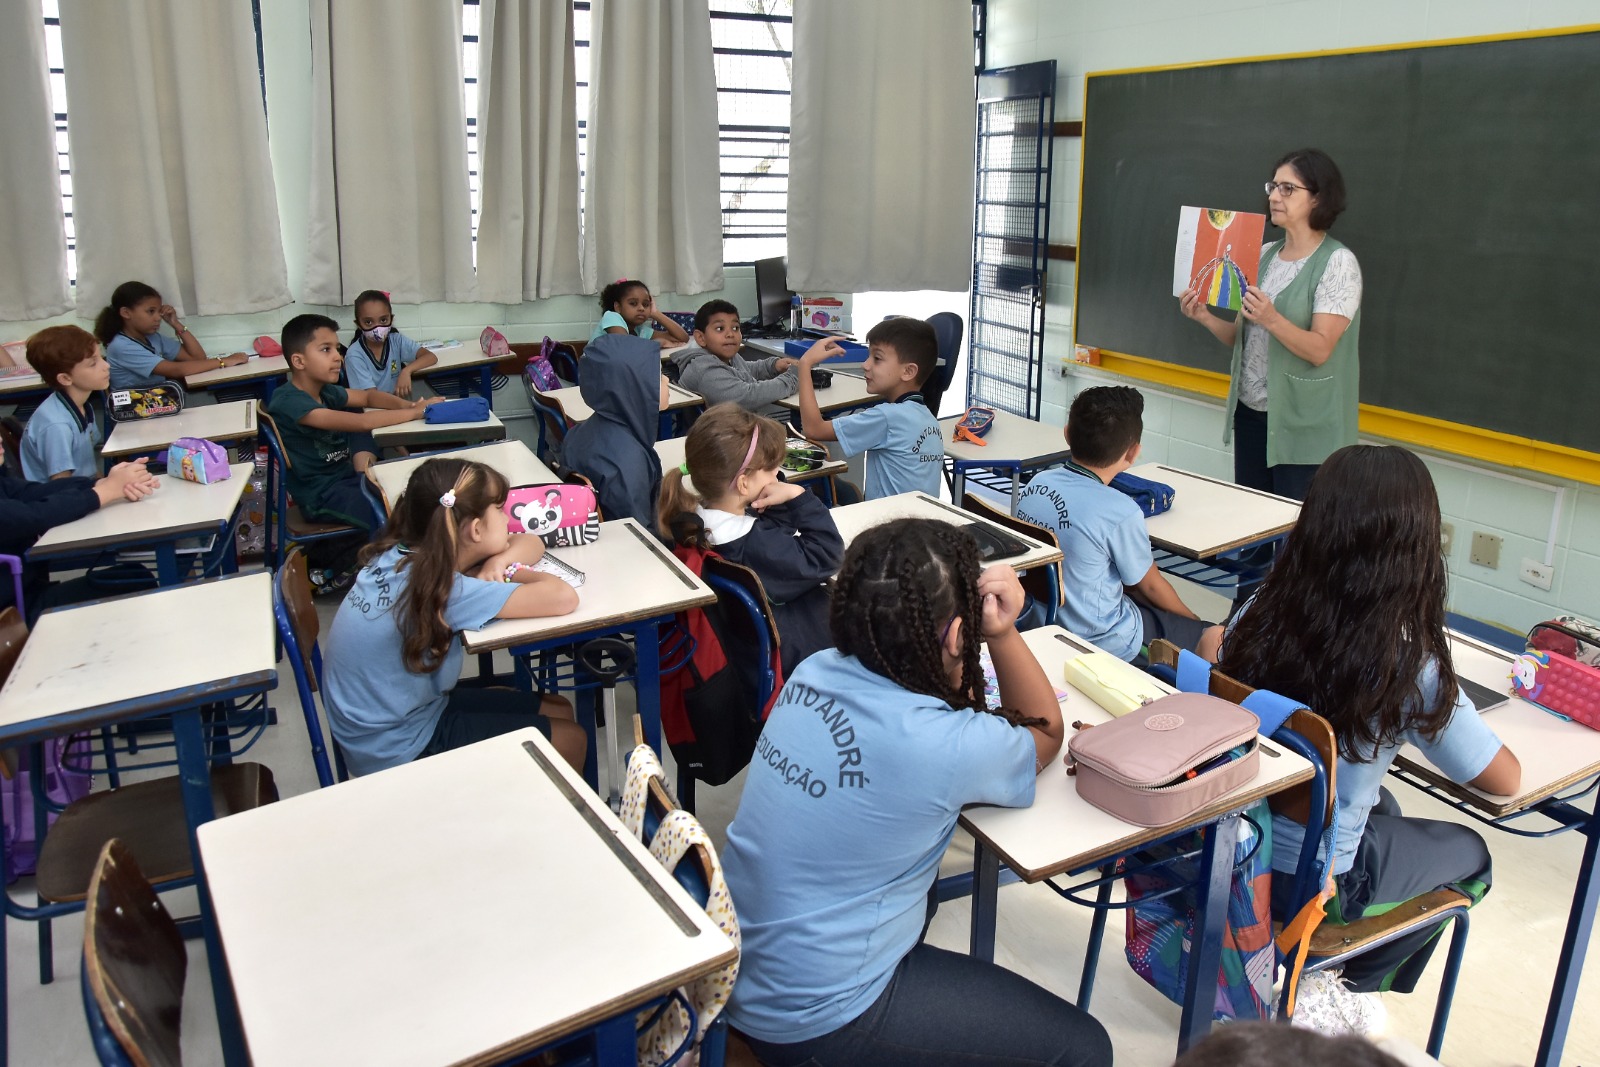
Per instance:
x=400, y=689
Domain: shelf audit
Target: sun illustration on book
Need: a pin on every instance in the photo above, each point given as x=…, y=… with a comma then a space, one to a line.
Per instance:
x=1219, y=218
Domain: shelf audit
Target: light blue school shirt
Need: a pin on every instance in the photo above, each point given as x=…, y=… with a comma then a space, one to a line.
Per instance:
x=647, y=329
x=851, y=800
x=361, y=371
x=60, y=438
x=905, y=450
x=133, y=365
x=382, y=714
x=1106, y=545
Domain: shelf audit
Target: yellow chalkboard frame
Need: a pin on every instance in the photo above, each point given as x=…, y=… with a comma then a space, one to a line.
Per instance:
x=1488, y=446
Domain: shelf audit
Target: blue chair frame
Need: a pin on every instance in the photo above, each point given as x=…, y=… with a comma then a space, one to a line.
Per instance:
x=277, y=493
x=306, y=665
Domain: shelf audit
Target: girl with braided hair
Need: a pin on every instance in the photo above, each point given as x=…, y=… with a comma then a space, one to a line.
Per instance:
x=864, y=764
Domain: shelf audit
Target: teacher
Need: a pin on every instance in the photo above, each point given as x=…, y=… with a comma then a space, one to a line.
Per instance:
x=1294, y=385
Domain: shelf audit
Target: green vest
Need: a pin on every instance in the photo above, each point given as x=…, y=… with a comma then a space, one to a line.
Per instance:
x=1311, y=411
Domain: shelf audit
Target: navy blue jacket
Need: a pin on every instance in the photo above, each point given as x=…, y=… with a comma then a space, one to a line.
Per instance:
x=27, y=511
x=615, y=447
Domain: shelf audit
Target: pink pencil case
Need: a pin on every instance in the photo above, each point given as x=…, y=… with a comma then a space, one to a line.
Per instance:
x=562, y=515
x=1560, y=684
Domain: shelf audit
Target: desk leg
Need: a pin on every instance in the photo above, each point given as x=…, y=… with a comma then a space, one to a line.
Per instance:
x=1016, y=487
x=167, y=564
x=1211, y=917
x=647, y=684
x=195, y=775
x=1569, y=971
x=486, y=382
x=985, y=900
x=584, y=702
x=958, y=482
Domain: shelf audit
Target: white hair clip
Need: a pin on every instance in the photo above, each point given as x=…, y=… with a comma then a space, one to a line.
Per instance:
x=449, y=499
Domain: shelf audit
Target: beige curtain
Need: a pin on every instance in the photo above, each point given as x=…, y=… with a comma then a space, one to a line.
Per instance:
x=528, y=244
x=652, y=205
x=33, y=270
x=170, y=177
x=881, y=156
x=389, y=202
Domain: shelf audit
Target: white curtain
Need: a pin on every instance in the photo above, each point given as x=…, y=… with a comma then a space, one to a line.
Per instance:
x=33, y=269
x=528, y=244
x=389, y=204
x=880, y=168
x=170, y=177
x=652, y=204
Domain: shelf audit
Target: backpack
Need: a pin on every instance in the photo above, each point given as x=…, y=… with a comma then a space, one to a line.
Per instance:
x=66, y=778
x=540, y=371
x=707, y=700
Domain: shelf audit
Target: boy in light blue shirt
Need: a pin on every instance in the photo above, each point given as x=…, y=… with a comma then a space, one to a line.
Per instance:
x=1114, y=595
x=61, y=438
x=905, y=450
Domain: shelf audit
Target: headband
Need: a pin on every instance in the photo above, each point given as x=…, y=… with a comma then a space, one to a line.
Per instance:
x=755, y=438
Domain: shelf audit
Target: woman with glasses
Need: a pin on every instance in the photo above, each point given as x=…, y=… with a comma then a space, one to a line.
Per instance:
x=1296, y=372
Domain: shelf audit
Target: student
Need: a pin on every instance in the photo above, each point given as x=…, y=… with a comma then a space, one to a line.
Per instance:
x=29, y=509
x=61, y=438
x=627, y=307
x=139, y=355
x=1351, y=621
x=1114, y=594
x=905, y=450
x=743, y=511
x=615, y=447
x=381, y=357
x=863, y=766
x=442, y=564
x=328, y=446
x=713, y=367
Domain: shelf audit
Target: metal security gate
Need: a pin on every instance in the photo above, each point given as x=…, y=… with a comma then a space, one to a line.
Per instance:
x=1016, y=119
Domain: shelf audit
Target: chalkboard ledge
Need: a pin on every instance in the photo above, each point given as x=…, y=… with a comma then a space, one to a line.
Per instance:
x=1452, y=438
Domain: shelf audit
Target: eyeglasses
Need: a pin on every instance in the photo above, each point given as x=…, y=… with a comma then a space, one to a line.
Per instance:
x=1286, y=188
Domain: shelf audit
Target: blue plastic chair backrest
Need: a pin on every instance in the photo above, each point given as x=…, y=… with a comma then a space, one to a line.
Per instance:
x=948, y=328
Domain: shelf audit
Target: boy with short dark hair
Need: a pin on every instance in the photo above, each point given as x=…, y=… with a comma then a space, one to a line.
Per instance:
x=61, y=438
x=329, y=447
x=713, y=367
x=1114, y=594
x=905, y=450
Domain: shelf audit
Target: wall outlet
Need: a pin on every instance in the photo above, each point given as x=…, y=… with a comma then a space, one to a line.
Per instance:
x=1486, y=549
x=1447, y=537
x=1537, y=574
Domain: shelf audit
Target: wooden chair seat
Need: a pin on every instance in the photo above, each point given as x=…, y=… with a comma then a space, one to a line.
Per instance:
x=148, y=818
x=1335, y=939
x=299, y=526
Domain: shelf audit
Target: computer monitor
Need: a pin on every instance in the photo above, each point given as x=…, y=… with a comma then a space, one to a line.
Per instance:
x=772, y=291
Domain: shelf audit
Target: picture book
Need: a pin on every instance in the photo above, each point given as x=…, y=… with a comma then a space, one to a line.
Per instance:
x=991, y=684
x=1218, y=253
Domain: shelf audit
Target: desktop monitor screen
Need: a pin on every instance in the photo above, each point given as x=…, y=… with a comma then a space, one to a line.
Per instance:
x=772, y=291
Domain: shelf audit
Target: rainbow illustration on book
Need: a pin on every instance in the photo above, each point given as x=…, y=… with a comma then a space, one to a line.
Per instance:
x=1218, y=253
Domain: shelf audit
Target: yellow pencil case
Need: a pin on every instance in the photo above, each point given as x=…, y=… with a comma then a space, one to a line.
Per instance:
x=1117, y=686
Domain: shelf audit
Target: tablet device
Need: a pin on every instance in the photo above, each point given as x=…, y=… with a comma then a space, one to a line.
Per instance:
x=1483, y=698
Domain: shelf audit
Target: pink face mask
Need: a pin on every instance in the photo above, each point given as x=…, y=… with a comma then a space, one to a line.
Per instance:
x=378, y=333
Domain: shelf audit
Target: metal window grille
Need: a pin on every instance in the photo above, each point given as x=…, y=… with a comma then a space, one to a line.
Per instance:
x=51, y=11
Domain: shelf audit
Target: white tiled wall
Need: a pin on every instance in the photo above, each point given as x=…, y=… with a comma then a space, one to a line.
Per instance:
x=1084, y=35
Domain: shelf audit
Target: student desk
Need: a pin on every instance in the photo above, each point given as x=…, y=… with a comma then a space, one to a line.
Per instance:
x=259, y=373
x=632, y=585
x=1013, y=444
x=15, y=388
x=457, y=362
x=1211, y=520
x=214, y=422
x=421, y=432
x=113, y=661
x=513, y=459
x=1560, y=762
x=569, y=401
x=846, y=391
x=536, y=917
x=1061, y=833
x=672, y=451
x=174, y=512
x=852, y=519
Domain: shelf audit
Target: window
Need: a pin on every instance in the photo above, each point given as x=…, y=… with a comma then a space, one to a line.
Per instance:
x=753, y=45
x=58, y=103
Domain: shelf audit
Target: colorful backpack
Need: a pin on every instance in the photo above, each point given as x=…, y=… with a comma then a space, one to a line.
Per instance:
x=66, y=778
x=541, y=372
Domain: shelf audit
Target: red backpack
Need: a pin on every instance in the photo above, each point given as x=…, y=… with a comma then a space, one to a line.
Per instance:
x=709, y=713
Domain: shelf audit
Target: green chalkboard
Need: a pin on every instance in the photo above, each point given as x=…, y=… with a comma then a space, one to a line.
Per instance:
x=1473, y=173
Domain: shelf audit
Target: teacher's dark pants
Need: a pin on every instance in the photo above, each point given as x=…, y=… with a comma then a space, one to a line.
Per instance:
x=1250, y=459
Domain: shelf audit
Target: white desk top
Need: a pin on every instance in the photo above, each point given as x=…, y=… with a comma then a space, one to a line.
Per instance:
x=1062, y=831
x=629, y=575
x=177, y=509
x=256, y=367
x=569, y=399
x=513, y=459
x=672, y=449
x=1012, y=438
x=1555, y=754
x=214, y=422
x=522, y=925
x=21, y=383
x=852, y=519
x=118, y=656
x=460, y=357
x=845, y=391
x=1209, y=516
x=422, y=432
